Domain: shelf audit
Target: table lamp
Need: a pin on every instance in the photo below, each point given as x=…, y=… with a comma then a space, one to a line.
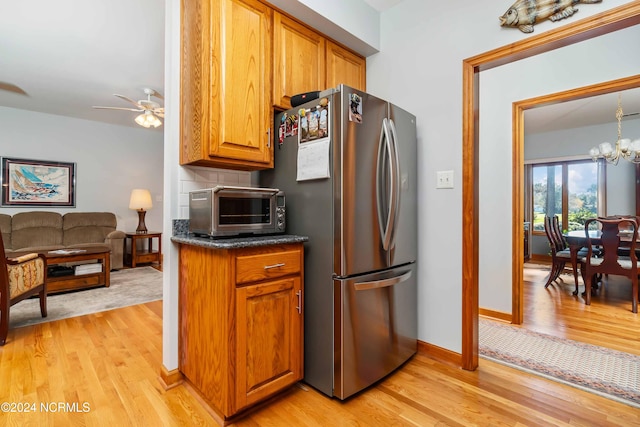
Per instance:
x=140, y=200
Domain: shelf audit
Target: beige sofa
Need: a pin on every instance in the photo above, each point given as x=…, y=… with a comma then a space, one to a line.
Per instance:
x=44, y=231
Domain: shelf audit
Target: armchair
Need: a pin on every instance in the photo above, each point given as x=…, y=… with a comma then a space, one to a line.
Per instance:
x=20, y=278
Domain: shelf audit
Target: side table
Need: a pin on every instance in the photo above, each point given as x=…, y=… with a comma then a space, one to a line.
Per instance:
x=144, y=255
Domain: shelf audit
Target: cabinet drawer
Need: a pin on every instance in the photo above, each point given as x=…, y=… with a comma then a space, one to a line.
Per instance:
x=253, y=268
x=148, y=257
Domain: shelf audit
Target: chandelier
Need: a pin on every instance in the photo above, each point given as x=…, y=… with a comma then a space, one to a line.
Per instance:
x=629, y=150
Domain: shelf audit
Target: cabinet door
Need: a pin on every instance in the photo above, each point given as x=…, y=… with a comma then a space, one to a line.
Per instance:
x=345, y=67
x=269, y=338
x=242, y=130
x=298, y=60
x=226, y=84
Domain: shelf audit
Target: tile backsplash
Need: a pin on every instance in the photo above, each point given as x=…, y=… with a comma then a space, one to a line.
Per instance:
x=197, y=178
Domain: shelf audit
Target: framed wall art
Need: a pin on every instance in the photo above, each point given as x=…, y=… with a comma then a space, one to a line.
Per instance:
x=38, y=183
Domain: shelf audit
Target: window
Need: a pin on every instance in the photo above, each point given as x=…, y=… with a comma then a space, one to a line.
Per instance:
x=568, y=190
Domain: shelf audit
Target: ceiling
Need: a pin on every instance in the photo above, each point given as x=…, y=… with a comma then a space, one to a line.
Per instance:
x=66, y=56
x=382, y=5
x=595, y=110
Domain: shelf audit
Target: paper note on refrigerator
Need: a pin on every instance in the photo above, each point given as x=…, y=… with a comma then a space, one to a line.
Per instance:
x=313, y=160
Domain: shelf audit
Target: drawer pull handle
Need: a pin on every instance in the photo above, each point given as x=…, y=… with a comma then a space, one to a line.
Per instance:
x=268, y=267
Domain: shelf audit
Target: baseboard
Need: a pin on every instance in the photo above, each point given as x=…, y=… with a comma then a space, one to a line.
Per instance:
x=539, y=259
x=170, y=379
x=440, y=354
x=497, y=315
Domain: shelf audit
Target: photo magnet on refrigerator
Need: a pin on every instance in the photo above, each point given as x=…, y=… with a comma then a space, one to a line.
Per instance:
x=355, y=108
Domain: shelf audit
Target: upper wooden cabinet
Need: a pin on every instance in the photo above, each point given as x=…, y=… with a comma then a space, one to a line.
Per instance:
x=344, y=66
x=305, y=61
x=227, y=90
x=298, y=60
x=226, y=104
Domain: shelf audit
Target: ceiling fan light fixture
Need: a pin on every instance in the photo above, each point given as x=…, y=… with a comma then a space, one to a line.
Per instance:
x=148, y=119
x=150, y=110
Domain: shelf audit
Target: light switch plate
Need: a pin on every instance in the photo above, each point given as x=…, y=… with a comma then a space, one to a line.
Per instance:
x=444, y=179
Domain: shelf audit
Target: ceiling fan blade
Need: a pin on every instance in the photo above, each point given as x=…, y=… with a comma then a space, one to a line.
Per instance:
x=129, y=100
x=118, y=108
x=10, y=87
x=159, y=114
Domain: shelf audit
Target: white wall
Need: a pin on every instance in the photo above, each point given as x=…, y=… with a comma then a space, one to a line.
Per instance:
x=171, y=185
x=419, y=67
x=110, y=161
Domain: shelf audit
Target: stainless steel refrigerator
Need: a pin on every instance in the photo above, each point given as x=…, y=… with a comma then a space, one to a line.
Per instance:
x=347, y=164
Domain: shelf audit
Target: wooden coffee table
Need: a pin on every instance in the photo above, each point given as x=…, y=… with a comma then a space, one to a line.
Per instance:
x=72, y=282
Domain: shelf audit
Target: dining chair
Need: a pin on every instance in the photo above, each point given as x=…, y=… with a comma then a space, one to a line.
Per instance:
x=557, y=233
x=560, y=253
x=581, y=253
x=624, y=250
x=611, y=262
x=20, y=278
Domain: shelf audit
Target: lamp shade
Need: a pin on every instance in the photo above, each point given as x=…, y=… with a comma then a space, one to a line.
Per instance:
x=140, y=199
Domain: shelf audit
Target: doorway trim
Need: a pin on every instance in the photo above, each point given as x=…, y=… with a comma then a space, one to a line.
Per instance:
x=606, y=22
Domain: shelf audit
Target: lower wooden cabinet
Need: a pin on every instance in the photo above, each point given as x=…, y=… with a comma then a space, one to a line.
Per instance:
x=241, y=323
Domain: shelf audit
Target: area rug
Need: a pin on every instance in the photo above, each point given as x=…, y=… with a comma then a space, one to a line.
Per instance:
x=610, y=373
x=128, y=287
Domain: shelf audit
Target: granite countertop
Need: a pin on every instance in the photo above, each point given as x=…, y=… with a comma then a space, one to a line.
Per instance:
x=238, y=242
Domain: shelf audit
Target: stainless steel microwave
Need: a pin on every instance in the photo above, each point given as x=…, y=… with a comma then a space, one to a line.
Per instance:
x=232, y=211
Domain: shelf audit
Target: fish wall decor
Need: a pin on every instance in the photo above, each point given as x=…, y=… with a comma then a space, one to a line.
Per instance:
x=523, y=14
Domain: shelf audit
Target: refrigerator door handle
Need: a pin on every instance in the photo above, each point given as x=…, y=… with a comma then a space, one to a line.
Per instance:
x=395, y=189
x=377, y=284
x=383, y=167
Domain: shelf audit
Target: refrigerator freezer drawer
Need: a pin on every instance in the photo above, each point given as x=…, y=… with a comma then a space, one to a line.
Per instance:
x=376, y=318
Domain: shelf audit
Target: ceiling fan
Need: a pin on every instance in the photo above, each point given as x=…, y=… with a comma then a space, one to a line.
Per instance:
x=150, y=110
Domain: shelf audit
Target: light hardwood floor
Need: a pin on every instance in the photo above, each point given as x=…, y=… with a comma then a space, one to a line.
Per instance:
x=607, y=322
x=111, y=362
